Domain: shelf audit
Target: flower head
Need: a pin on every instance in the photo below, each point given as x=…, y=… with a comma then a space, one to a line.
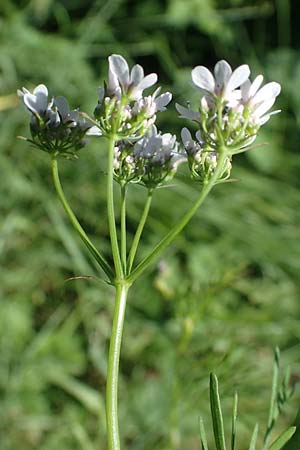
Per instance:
x=259, y=100
x=122, y=107
x=55, y=128
x=231, y=109
x=202, y=159
x=150, y=161
x=223, y=83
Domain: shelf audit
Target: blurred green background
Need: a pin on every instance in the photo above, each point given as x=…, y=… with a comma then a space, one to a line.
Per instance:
x=221, y=298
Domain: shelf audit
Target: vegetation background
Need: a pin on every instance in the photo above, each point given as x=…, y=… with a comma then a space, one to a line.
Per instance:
x=223, y=296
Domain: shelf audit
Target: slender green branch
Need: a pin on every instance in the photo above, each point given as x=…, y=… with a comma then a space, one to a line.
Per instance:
x=158, y=249
x=139, y=231
x=92, y=249
x=111, y=210
x=123, y=227
x=113, y=368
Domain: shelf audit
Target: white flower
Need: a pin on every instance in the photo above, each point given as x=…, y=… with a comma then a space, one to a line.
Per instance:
x=187, y=113
x=260, y=100
x=192, y=147
x=37, y=101
x=223, y=83
x=120, y=80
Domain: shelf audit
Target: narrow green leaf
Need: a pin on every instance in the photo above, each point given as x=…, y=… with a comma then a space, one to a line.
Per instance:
x=233, y=421
x=294, y=443
x=253, y=441
x=282, y=439
x=216, y=413
x=202, y=435
x=273, y=410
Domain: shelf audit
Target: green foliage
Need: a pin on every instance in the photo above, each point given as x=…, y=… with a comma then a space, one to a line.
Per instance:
x=221, y=298
x=279, y=395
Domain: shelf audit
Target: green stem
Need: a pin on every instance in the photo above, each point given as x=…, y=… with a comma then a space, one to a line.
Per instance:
x=111, y=210
x=113, y=368
x=123, y=227
x=92, y=249
x=139, y=231
x=158, y=249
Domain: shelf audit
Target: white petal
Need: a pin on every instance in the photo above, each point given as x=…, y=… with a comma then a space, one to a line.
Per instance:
x=222, y=73
x=41, y=89
x=266, y=117
x=203, y=79
x=238, y=77
x=119, y=67
x=186, y=113
x=94, y=131
x=35, y=104
x=148, y=81
x=264, y=107
x=136, y=75
x=186, y=136
x=257, y=82
x=162, y=101
x=268, y=91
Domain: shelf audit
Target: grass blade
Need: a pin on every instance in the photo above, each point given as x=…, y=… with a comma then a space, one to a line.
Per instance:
x=282, y=439
x=216, y=413
x=203, y=435
x=253, y=441
x=234, y=420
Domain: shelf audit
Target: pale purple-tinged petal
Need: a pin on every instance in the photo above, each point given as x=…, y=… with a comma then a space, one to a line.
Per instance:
x=162, y=101
x=113, y=82
x=101, y=92
x=238, y=77
x=41, y=89
x=245, y=90
x=187, y=113
x=37, y=102
x=186, y=136
x=222, y=73
x=203, y=79
x=62, y=106
x=136, y=75
x=199, y=136
x=118, y=65
x=268, y=91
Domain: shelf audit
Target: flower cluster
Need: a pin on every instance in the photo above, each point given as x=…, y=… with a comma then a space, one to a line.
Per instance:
x=122, y=108
x=203, y=160
x=150, y=161
x=231, y=111
x=54, y=128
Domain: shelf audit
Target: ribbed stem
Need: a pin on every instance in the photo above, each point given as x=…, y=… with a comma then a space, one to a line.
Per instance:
x=139, y=231
x=111, y=210
x=113, y=368
x=123, y=228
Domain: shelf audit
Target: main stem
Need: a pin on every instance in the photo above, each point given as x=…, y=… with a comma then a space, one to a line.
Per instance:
x=113, y=368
